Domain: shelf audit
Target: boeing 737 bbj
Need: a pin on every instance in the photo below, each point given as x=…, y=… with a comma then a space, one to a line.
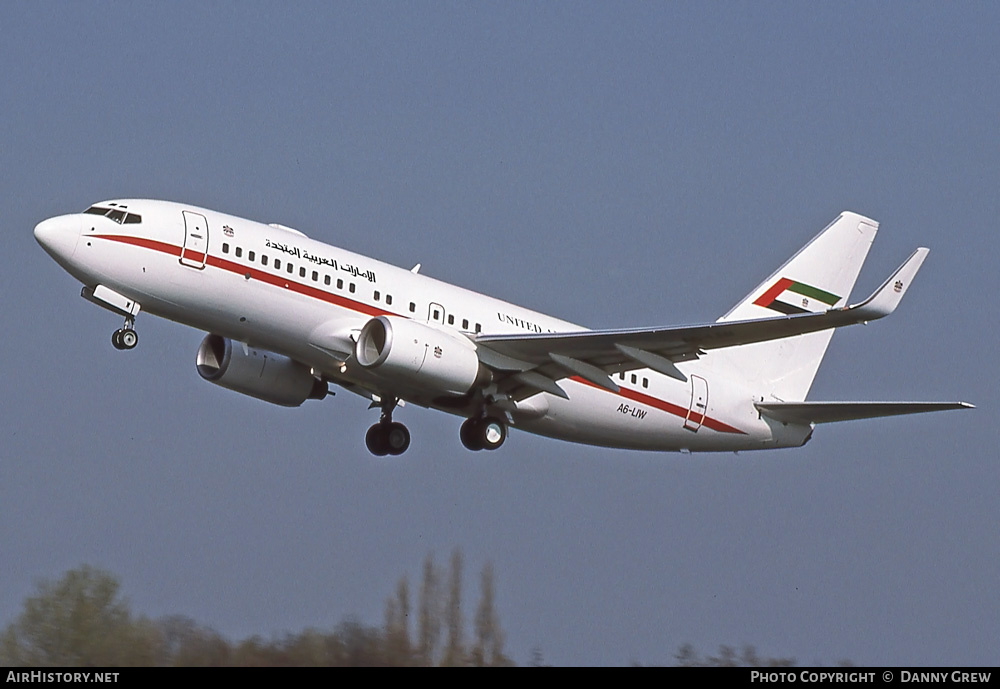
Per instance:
x=286, y=316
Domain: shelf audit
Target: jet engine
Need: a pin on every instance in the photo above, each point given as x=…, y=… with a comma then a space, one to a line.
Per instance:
x=265, y=375
x=419, y=355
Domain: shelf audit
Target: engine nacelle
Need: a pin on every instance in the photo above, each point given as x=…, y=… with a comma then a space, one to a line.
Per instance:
x=265, y=375
x=419, y=355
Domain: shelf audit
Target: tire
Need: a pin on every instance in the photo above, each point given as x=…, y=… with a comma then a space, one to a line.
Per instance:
x=397, y=438
x=128, y=338
x=469, y=434
x=116, y=339
x=376, y=441
x=492, y=432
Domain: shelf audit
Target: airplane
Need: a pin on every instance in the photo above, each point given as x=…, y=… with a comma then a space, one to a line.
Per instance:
x=287, y=316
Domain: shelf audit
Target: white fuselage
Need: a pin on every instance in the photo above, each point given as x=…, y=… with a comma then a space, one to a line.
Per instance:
x=276, y=289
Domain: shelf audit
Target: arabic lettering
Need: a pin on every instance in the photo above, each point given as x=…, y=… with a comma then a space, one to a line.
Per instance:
x=368, y=275
x=319, y=260
x=304, y=254
x=294, y=251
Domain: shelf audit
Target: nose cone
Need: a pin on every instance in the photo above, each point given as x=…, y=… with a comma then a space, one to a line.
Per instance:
x=58, y=236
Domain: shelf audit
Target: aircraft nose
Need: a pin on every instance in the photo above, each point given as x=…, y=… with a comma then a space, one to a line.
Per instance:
x=58, y=236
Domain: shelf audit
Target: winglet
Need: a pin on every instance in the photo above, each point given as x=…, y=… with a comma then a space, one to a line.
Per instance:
x=887, y=297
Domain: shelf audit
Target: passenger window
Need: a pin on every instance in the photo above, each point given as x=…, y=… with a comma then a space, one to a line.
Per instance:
x=225, y=248
x=413, y=307
x=315, y=276
x=302, y=272
x=633, y=379
x=326, y=279
x=250, y=255
x=239, y=251
x=277, y=264
x=290, y=268
x=376, y=295
x=388, y=299
x=263, y=259
x=645, y=382
x=351, y=288
x=340, y=284
x=451, y=320
x=465, y=324
x=479, y=328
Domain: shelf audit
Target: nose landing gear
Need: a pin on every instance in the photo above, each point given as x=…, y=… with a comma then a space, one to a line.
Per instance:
x=125, y=337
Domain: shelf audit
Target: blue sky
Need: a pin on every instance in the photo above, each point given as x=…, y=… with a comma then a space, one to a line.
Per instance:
x=615, y=165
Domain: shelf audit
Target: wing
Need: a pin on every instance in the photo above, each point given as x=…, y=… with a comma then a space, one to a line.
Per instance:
x=535, y=362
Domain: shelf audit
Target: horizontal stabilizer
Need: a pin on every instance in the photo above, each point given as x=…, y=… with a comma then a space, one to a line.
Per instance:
x=829, y=412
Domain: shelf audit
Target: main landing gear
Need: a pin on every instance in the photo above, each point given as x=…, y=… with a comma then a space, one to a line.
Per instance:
x=487, y=433
x=387, y=437
x=125, y=337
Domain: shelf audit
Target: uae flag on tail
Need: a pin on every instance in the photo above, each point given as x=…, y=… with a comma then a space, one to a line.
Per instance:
x=787, y=296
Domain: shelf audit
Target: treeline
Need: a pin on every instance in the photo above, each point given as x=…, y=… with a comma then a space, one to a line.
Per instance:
x=728, y=656
x=82, y=620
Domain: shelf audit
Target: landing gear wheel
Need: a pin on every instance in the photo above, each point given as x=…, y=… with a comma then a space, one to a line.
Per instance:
x=377, y=441
x=469, y=435
x=492, y=432
x=387, y=437
x=128, y=338
x=483, y=434
x=124, y=338
x=397, y=438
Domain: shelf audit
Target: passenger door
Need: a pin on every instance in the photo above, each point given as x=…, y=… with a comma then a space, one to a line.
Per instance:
x=195, y=249
x=699, y=404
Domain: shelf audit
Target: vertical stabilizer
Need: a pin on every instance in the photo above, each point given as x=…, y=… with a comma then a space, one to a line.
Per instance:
x=818, y=277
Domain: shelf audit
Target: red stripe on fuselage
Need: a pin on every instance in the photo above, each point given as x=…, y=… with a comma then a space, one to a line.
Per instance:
x=668, y=407
x=254, y=273
x=360, y=307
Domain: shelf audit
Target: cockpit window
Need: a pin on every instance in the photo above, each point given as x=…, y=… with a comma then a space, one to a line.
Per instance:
x=119, y=216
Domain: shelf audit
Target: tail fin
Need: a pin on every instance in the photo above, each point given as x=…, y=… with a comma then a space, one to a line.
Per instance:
x=819, y=277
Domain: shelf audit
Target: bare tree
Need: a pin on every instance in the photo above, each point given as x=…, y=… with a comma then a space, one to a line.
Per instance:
x=429, y=632
x=397, y=626
x=488, y=649
x=454, y=651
